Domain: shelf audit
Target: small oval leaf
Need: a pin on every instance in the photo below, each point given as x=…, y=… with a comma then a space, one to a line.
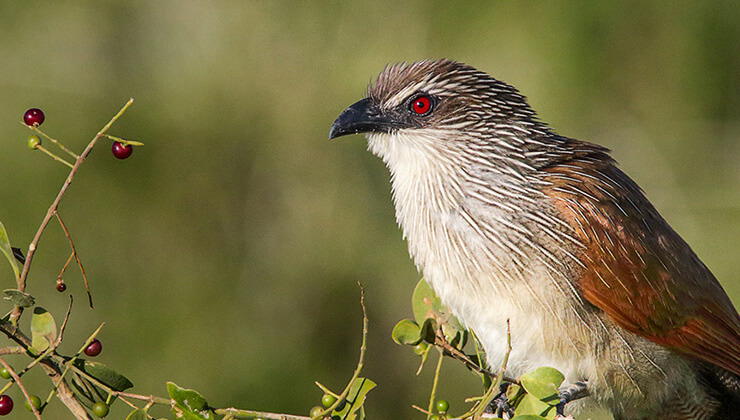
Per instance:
x=406, y=332
x=188, y=404
x=543, y=383
x=532, y=405
x=19, y=298
x=43, y=329
x=355, y=398
x=104, y=374
x=424, y=301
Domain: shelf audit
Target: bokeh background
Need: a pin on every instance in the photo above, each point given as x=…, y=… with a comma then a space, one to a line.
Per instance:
x=224, y=255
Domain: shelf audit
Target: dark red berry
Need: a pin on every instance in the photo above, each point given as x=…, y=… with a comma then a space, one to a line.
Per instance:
x=94, y=348
x=6, y=405
x=121, y=151
x=33, y=117
x=61, y=286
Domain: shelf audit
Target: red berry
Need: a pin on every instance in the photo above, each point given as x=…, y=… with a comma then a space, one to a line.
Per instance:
x=33, y=117
x=121, y=151
x=61, y=286
x=6, y=405
x=94, y=348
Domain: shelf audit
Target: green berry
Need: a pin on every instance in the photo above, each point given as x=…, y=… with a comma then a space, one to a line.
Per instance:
x=420, y=348
x=100, y=409
x=443, y=406
x=36, y=401
x=434, y=417
x=327, y=400
x=4, y=373
x=315, y=411
x=34, y=142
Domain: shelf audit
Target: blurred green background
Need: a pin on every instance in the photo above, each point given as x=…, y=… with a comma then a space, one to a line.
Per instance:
x=224, y=254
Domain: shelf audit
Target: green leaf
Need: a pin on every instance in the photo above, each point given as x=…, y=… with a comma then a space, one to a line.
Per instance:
x=528, y=417
x=7, y=250
x=19, y=298
x=104, y=375
x=406, y=332
x=189, y=404
x=425, y=302
x=428, y=330
x=532, y=405
x=355, y=398
x=543, y=383
x=43, y=329
x=137, y=415
x=514, y=393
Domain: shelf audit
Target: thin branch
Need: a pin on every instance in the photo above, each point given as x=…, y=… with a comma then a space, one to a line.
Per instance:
x=76, y=255
x=53, y=156
x=56, y=142
x=55, y=204
x=455, y=353
x=64, y=268
x=12, y=350
x=64, y=324
x=360, y=362
x=18, y=381
x=433, y=394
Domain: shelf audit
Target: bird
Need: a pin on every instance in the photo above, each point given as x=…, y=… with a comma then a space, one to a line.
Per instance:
x=511, y=222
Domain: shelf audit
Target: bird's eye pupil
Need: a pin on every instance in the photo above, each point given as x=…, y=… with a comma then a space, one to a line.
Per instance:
x=421, y=105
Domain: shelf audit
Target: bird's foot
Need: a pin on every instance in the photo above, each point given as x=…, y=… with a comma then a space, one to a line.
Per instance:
x=569, y=393
x=500, y=403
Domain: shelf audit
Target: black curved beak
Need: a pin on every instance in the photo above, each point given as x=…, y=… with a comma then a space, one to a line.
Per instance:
x=360, y=117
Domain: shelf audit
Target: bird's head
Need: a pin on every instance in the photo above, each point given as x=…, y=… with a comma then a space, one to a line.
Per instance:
x=435, y=95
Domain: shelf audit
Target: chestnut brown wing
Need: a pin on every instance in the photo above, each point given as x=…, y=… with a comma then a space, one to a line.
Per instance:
x=638, y=269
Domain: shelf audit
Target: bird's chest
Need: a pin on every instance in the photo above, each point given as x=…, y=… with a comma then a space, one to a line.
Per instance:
x=477, y=261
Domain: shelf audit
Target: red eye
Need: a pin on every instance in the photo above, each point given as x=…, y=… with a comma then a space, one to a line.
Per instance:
x=421, y=105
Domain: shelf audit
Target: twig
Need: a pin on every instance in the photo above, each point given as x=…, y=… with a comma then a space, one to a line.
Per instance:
x=46, y=136
x=55, y=204
x=64, y=324
x=250, y=414
x=12, y=350
x=433, y=394
x=76, y=255
x=53, y=156
x=478, y=409
x=455, y=353
x=18, y=381
x=66, y=264
x=360, y=362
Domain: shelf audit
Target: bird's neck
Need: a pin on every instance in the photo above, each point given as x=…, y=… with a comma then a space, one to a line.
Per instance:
x=463, y=212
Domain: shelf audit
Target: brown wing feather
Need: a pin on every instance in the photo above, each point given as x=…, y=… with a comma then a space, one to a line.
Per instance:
x=639, y=270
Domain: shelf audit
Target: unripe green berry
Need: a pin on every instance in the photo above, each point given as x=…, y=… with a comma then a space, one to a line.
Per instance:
x=327, y=400
x=443, y=406
x=4, y=373
x=315, y=411
x=434, y=417
x=100, y=409
x=34, y=142
x=420, y=348
x=36, y=401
